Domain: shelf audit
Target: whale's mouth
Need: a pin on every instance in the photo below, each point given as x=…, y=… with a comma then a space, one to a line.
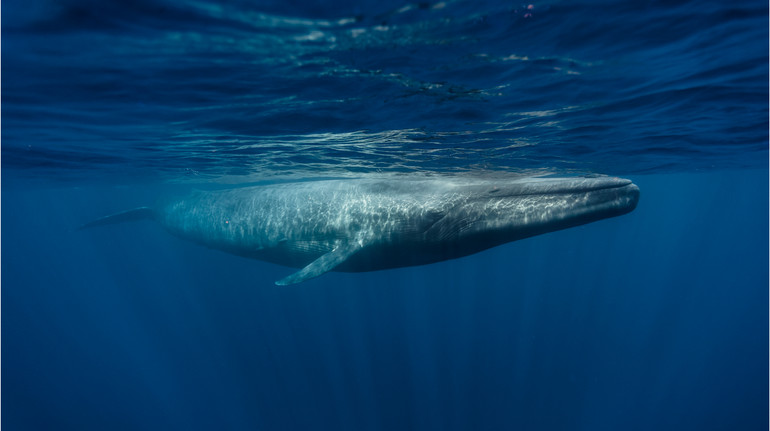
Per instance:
x=580, y=184
x=574, y=201
x=521, y=209
x=623, y=198
x=580, y=198
x=562, y=186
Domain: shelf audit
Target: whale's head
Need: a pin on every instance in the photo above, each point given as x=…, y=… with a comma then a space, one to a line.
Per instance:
x=497, y=212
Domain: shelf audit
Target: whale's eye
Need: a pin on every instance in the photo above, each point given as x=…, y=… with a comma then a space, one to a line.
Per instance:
x=494, y=190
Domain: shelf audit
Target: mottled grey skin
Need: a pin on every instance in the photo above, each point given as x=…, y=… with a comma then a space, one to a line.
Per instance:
x=372, y=224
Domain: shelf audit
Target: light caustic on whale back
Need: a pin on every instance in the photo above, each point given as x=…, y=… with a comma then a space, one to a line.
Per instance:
x=372, y=224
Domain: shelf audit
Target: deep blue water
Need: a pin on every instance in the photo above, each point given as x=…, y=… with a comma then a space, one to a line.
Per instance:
x=654, y=320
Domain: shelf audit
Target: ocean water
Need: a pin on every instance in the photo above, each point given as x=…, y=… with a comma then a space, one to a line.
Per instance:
x=654, y=320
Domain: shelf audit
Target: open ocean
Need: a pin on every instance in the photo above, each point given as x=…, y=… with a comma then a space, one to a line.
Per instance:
x=655, y=320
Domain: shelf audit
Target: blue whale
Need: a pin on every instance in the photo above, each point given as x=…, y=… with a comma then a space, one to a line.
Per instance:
x=356, y=225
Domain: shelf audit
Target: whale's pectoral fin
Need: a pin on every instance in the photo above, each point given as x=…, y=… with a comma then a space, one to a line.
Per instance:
x=323, y=264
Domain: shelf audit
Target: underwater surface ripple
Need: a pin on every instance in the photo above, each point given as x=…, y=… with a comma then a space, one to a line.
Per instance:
x=202, y=90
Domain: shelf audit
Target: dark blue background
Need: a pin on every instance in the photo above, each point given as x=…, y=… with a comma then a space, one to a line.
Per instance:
x=654, y=320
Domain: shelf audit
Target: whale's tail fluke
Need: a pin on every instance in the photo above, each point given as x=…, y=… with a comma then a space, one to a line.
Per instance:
x=136, y=214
